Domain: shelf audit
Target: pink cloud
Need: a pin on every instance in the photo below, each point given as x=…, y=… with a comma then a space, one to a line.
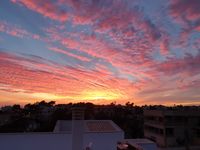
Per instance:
x=45, y=7
x=122, y=25
x=197, y=28
x=123, y=38
x=98, y=14
x=17, y=31
x=104, y=20
x=193, y=84
x=97, y=47
x=188, y=65
x=186, y=13
x=35, y=76
x=164, y=47
x=188, y=9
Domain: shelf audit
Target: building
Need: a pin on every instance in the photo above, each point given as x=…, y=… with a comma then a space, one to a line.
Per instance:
x=173, y=128
x=77, y=134
x=98, y=134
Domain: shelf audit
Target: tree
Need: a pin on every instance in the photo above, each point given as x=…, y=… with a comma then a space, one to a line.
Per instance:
x=16, y=108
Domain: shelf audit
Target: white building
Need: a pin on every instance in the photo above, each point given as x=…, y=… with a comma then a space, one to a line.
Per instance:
x=77, y=134
x=99, y=134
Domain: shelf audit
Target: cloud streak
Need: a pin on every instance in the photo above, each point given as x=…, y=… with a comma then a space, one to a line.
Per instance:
x=16, y=31
x=55, y=79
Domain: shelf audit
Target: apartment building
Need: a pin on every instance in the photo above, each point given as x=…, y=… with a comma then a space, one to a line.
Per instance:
x=172, y=128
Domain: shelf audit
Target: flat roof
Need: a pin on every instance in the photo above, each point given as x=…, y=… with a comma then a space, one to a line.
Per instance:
x=144, y=144
x=89, y=126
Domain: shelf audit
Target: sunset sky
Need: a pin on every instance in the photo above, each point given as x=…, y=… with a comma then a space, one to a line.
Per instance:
x=100, y=51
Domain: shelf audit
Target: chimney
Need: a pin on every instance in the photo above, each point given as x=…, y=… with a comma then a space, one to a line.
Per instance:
x=77, y=128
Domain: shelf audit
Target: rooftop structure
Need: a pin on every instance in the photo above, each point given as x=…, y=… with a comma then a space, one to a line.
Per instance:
x=136, y=144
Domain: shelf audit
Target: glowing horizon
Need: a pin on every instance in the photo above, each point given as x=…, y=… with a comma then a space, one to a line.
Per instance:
x=100, y=51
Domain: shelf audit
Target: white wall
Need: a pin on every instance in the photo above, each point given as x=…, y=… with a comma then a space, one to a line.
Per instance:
x=35, y=141
x=58, y=141
x=103, y=141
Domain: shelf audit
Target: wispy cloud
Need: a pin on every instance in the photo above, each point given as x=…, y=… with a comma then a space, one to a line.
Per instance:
x=65, y=52
x=16, y=31
x=40, y=77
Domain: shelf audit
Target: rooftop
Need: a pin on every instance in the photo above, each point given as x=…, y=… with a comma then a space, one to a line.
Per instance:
x=89, y=126
x=143, y=144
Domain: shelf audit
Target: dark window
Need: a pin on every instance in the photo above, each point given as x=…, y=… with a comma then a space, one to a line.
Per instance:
x=161, y=119
x=198, y=132
x=199, y=121
x=169, y=132
x=161, y=131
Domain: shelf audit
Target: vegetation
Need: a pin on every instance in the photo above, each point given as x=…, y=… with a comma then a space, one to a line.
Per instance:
x=42, y=116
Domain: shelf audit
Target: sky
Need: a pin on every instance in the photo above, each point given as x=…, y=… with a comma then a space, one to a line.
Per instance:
x=100, y=51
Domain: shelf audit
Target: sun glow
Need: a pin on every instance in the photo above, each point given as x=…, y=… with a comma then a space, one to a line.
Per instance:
x=48, y=96
x=100, y=95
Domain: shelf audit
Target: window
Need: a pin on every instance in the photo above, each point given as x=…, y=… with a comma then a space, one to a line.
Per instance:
x=169, y=132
